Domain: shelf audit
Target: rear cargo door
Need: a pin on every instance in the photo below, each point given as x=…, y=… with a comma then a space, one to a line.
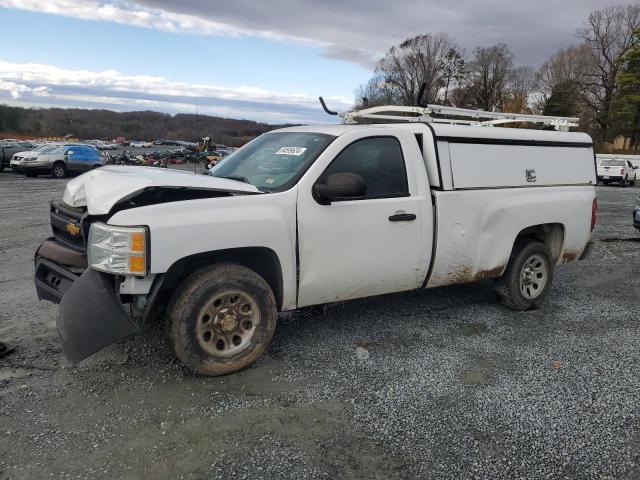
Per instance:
x=379, y=243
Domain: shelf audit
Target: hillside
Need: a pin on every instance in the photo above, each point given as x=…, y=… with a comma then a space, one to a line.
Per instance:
x=144, y=125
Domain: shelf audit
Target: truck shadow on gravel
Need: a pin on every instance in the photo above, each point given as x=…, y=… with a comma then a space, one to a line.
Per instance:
x=621, y=240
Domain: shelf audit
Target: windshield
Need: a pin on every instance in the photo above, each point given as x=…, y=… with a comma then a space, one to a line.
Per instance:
x=44, y=148
x=273, y=161
x=57, y=150
x=612, y=163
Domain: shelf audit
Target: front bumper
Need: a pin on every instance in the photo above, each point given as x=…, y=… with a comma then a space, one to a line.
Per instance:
x=92, y=316
x=33, y=167
x=91, y=313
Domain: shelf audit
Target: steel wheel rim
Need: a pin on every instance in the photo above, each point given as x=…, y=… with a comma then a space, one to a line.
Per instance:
x=57, y=171
x=227, y=324
x=533, y=277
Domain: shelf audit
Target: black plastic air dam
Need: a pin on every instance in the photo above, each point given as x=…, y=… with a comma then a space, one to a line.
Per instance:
x=91, y=316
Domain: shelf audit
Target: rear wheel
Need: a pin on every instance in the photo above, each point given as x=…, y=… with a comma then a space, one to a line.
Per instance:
x=1, y=167
x=528, y=276
x=59, y=170
x=623, y=182
x=221, y=319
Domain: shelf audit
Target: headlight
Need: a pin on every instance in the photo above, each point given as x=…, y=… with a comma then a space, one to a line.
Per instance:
x=121, y=250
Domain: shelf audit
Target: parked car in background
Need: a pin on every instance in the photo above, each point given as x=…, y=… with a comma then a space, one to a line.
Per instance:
x=617, y=170
x=9, y=149
x=140, y=144
x=213, y=156
x=18, y=156
x=59, y=161
x=102, y=145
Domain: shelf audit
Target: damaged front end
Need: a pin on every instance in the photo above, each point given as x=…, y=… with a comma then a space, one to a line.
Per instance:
x=92, y=315
x=100, y=273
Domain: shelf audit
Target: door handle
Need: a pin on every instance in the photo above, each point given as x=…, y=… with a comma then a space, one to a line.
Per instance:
x=402, y=217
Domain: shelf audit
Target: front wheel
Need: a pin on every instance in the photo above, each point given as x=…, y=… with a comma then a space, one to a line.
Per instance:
x=59, y=170
x=528, y=276
x=221, y=319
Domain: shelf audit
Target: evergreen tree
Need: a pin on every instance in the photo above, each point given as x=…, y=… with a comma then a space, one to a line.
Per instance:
x=627, y=103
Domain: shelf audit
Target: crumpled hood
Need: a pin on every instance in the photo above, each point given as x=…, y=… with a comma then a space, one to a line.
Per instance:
x=100, y=189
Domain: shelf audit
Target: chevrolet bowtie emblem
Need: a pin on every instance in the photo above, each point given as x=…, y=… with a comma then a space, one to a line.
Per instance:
x=73, y=229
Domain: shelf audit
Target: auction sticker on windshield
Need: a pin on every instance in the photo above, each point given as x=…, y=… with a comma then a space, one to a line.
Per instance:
x=297, y=151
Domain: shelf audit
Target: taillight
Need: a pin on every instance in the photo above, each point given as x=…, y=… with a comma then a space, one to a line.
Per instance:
x=594, y=213
x=622, y=171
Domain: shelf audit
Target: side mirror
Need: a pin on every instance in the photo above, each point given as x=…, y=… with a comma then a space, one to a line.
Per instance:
x=69, y=152
x=339, y=186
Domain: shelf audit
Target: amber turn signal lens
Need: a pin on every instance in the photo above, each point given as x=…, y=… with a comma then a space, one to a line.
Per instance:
x=137, y=242
x=136, y=264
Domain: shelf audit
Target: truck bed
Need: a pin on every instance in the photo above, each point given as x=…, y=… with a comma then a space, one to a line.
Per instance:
x=490, y=184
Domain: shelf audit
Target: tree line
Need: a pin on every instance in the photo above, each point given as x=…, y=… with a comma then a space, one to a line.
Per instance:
x=106, y=125
x=596, y=80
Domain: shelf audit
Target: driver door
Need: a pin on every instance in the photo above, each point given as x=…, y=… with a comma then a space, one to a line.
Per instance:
x=370, y=245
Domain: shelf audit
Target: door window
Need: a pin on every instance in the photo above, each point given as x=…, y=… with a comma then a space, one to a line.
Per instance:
x=380, y=163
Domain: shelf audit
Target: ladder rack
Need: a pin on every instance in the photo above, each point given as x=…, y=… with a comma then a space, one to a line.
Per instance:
x=478, y=118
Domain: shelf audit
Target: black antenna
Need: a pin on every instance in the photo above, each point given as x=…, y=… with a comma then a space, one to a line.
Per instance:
x=324, y=106
x=423, y=87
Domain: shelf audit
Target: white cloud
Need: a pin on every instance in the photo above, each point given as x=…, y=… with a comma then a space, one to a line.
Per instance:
x=353, y=30
x=112, y=89
x=128, y=13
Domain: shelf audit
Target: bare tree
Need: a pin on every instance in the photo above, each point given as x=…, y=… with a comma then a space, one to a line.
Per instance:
x=568, y=65
x=522, y=83
x=489, y=74
x=377, y=91
x=608, y=33
x=416, y=60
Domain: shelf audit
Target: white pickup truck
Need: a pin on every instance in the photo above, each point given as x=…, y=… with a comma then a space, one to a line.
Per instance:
x=620, y=170
x=312, y=215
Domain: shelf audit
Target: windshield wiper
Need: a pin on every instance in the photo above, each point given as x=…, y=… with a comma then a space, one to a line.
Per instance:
x=240, y=178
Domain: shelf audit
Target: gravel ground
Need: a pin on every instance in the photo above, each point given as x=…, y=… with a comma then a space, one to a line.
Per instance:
x=443, y=383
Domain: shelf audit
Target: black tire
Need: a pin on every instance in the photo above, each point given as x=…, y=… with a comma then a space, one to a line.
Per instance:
x=59, y=170
x=192, y=315
x=511, y=287
x=632, y=182
x=623, y=182
x=605, y=182
x=1, y=167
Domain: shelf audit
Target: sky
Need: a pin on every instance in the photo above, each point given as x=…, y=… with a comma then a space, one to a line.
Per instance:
x=263, y=60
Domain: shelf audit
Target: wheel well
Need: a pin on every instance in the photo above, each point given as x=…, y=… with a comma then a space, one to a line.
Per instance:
x=261, y=260
x=551, y=234
x=61, y=162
